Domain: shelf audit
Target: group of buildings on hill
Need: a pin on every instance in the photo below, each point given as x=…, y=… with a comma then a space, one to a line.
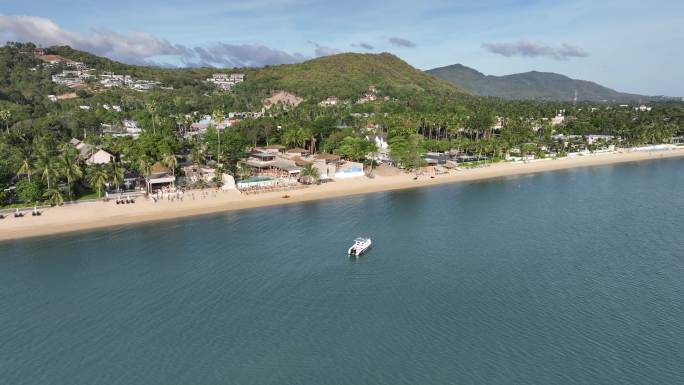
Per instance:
x=78, y=74
x=225, y=82
x=370, y=95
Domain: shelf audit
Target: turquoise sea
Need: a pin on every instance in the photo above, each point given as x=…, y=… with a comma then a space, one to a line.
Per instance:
x=568, y=277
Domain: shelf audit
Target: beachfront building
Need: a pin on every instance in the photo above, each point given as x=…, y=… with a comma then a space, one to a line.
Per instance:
x=132, y=181
x=160, y=177
x=326, y=165
x=348, y=170
x=276, y=168
x=275, y=149
x=267, y=164
x=297, y=151
x=195, y=173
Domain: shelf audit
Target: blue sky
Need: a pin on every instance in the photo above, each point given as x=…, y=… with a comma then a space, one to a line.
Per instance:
x=629, y=45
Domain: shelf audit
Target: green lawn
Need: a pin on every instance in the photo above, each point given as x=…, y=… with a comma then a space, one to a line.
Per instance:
x=87, y=195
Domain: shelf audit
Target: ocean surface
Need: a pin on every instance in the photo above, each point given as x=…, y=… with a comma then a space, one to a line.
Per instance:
x=568, y=277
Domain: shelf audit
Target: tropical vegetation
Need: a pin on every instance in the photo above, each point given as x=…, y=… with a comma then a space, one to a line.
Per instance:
x=414, y=112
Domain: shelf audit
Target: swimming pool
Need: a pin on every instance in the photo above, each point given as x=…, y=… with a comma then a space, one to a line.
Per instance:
x=256, y=181
x=349, y=172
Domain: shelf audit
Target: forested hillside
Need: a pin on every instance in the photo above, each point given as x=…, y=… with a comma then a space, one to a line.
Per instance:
x=532, y=86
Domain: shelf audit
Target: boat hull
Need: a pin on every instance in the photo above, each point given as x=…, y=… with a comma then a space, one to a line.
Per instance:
x=358, y=249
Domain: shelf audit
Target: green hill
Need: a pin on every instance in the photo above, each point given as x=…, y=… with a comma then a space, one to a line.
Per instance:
x=347, y=75
x=531, y=86
x=344, y=75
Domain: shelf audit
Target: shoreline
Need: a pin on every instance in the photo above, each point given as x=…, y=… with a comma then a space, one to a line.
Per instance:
x=99, y=215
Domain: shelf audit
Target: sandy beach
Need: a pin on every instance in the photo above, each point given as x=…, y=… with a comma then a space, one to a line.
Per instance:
x=85, y=216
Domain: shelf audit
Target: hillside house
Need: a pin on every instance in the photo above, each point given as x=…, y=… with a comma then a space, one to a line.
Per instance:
x=100, y=157
x=127, y=128
x=225, y=82
x=329, y=102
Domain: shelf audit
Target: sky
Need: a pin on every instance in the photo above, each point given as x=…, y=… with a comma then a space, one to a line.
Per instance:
x=629, y=45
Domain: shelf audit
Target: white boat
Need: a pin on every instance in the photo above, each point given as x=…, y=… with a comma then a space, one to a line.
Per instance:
x=360, y=246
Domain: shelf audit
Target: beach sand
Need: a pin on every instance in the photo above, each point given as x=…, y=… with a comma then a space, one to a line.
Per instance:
x=93, y=215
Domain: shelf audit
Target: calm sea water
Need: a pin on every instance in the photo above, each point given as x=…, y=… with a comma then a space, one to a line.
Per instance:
x=572, y=277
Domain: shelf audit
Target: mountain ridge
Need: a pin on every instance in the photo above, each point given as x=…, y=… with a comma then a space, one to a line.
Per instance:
x=533, y=85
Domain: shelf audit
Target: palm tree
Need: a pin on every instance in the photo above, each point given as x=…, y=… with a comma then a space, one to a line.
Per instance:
x=145, y=166
x=170, y=161
x=5, y=116
x=245, y=171
x=183, y=122
x=25, y=167
x=289, y=137
x=68, y=167
x=116, y=173
x=218, y=119
x=197, y=154
x=54, y=196
x=97, y=177
x=311, y=138
x=310, y=171
x=46, y=167
x=151, y=108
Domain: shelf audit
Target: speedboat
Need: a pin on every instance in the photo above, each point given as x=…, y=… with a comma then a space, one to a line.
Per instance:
x=360, y=246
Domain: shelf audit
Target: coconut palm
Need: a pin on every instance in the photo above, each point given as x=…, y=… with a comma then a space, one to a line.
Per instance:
x=170, y=161
x=5, y=116
x=151, y=108
x=68, y=167
x=46, y=167
x=54, y=196
x=295, y=137
x=97, y=177
x=116, y=174
x=311, y=138
x=25, y=167
x=244, y=171
x=218, y=119
x=197, y=154
x=310, y=171
x=289, y=137
x=145, y=166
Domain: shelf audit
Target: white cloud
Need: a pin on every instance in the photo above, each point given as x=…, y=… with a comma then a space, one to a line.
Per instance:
x=144, y=48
